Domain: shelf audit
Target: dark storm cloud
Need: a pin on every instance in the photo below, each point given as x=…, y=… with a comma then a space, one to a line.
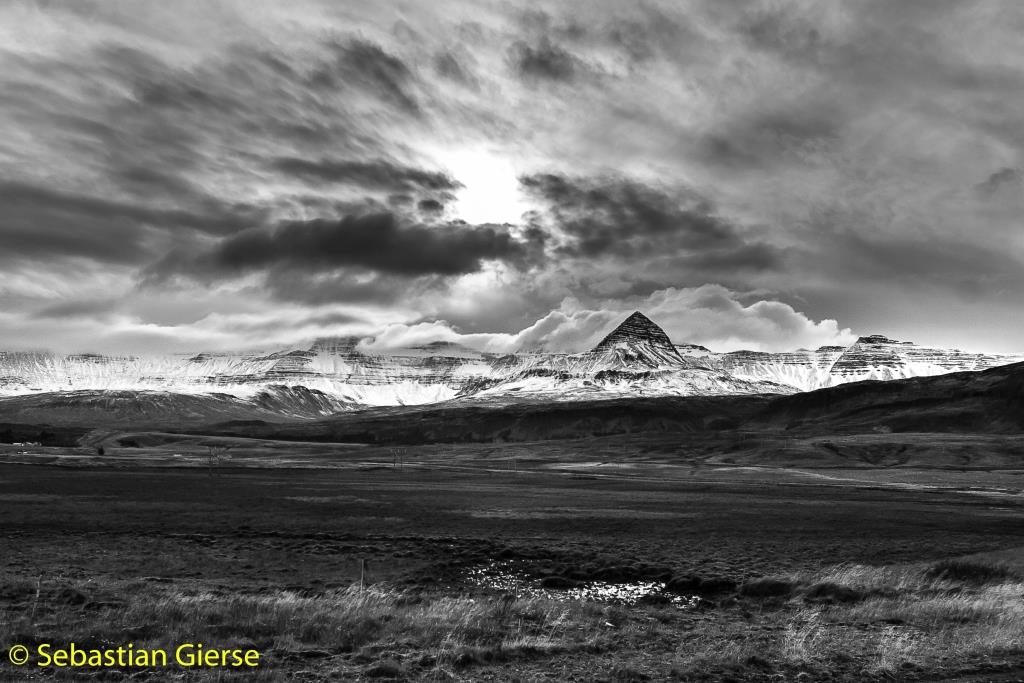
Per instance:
x=626, y=219
x=543, y=61
x=39, y=222
x=147, y=128
x=168, y=148
x=430, y=207
x=380, y=242
x=376, y=241
x=380, y=175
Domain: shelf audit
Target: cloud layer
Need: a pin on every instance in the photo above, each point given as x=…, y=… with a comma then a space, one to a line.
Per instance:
x=765, y=175
x=710, y=315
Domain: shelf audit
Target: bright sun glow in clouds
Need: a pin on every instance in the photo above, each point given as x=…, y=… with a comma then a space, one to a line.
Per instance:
x=491, y=193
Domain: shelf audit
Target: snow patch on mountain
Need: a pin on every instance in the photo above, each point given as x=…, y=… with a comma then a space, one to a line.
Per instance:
x=873, y=357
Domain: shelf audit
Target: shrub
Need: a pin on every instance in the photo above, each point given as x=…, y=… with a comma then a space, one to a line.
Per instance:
x=970, y=571
x=614, y=574
x=695, y=585
x=654, y=600
x=716, y=586
x=684, y=585
x=625, y=674
x=767, y=588
x=387, y=668
x=829, y=592
x=558, y=582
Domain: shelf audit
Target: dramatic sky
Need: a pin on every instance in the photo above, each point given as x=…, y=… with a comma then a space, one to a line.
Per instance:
x=214, y=174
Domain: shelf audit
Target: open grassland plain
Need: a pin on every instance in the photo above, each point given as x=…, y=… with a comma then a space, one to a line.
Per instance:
x=567, y=561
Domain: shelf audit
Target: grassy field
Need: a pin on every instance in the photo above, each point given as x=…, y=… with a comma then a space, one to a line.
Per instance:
x=359, y=570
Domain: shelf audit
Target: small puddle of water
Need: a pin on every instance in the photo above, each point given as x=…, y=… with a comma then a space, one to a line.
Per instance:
x=505, y=577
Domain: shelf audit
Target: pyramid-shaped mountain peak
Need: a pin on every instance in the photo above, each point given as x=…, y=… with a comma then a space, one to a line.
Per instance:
x=878, y=339
x=637, y=328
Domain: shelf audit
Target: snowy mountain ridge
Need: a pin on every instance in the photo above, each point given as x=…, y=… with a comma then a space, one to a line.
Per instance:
x=637, y=358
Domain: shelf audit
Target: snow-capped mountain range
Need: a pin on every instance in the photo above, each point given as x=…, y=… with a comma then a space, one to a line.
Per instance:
x=635, y=359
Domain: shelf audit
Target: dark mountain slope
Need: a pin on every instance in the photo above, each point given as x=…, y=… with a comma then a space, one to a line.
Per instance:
x=127, y=408
x=153, y=409
x=989, y=401
x=512, y=422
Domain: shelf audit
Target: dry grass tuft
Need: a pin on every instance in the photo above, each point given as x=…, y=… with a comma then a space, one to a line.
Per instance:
x=974, y=572
x=867, y=622
x=387, y=631
x=873, y=621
